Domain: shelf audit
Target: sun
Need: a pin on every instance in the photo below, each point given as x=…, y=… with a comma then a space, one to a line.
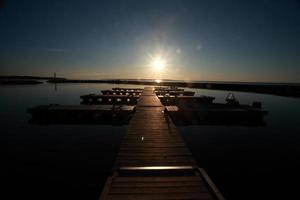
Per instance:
x=158, y=64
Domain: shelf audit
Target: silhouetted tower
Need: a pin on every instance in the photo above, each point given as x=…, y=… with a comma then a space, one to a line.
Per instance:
x=54, y=78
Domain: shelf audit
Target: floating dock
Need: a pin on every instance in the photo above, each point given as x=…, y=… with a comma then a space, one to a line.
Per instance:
x=216, y=114
x=94, y=99
x=116, y=92
x=81, y=114
x=175, y=93
x=128, y=89
x=153, y=161
x=130, y=97
x=168, y=89
x=176, y=100
x=184, y=110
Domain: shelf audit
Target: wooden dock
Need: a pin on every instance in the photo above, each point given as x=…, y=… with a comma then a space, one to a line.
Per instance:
x=128, y=89
x=80, y=114
x=94, y=99
x=154, y=162
x=121, y=92
x=176, y=100
x=175, y=93
x=216, y=114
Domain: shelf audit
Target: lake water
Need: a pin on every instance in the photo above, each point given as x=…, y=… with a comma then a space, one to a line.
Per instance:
x=73, y=161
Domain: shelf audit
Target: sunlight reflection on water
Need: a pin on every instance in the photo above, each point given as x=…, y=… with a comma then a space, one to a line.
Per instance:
x=234, y=157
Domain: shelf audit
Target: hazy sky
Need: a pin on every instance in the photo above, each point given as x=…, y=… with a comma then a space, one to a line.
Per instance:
x=233, y=40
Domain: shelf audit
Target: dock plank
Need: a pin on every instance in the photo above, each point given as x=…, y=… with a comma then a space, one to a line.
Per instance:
x=170, y=196
x=153, y=140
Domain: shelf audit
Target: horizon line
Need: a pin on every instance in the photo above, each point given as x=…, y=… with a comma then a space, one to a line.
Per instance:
x=147, y=79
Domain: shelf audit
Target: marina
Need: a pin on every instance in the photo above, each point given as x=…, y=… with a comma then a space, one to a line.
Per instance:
x=150, y=100
x=184, y=110
x=86, y=147
x=153, y=160
x=187, y=110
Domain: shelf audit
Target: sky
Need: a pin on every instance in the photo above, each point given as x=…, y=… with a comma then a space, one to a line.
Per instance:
x=225, y=40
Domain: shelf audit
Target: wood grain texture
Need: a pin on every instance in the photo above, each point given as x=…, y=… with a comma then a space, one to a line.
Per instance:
x=153, y=140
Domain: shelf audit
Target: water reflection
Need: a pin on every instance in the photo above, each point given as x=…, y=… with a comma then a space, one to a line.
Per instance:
x=73, y=161
x=251, y=160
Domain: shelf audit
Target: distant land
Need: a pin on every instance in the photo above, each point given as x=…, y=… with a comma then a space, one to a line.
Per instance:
x=20, y=80
x=281, y=89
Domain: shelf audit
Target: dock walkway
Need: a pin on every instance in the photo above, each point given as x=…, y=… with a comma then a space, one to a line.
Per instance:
x=154, y=162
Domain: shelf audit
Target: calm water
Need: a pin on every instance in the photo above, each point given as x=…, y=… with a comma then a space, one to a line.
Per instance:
x=73, y=161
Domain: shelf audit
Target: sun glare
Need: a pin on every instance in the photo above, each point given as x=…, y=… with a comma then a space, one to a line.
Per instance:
x=158, y=64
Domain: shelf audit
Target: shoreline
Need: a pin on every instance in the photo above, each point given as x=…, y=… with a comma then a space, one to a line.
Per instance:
x=288, y=90
x=19, y=82
x=279, y=89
